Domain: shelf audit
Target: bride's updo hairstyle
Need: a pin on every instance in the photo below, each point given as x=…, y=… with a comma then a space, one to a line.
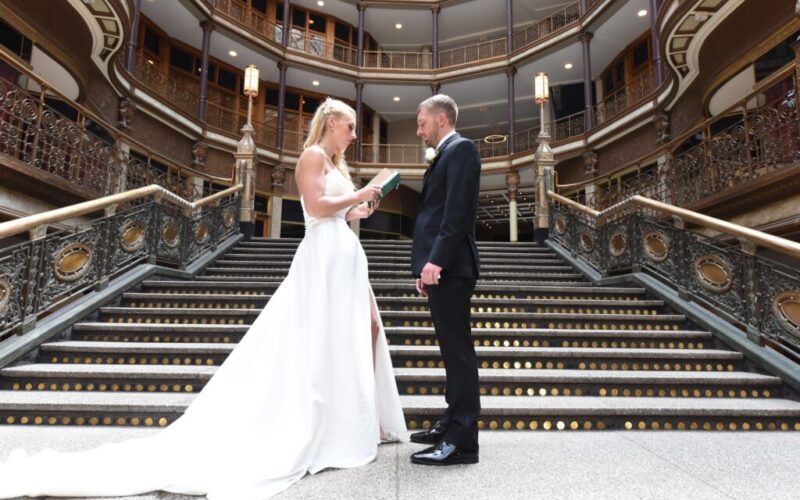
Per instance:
x=317, y=129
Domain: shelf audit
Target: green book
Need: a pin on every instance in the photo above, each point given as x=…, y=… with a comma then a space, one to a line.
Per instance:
x=387, y=180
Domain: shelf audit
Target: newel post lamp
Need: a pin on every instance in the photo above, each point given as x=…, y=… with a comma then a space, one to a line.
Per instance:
x=544, y=160
x=245, y=157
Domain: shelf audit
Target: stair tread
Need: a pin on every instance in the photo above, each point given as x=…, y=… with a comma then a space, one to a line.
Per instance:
x=550, y=332
x=510, y=405
x=583, y=351
x=593, y=376
x=188, y=311
x=406, y=374
x=594, y=405
x=421, y=300
x=181, y=347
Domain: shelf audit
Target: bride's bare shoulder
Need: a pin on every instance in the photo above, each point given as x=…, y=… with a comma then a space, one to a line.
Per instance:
x=312, y=160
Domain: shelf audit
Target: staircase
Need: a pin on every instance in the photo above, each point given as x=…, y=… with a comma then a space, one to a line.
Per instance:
x=555, y=352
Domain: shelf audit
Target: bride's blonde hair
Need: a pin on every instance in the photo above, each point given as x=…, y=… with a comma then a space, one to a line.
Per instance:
x=335, y=108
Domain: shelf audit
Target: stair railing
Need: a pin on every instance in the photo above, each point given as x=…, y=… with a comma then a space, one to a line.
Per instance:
x=754, y=285
x=144, y=225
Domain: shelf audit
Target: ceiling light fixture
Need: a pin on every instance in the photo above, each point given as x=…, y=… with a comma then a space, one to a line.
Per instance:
x=398, y=26
x=315, y=83
x=396, y=99
x=568, y=66
x=232, y=53
x=320, y=3
x=642, y=13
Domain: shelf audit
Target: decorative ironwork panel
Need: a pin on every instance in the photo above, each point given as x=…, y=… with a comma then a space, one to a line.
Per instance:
x=13, y=270
x=716, y=275
x=71, y=264
x=779, y=312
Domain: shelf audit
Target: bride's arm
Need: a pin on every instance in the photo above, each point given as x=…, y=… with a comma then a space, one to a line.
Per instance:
x=310, y=179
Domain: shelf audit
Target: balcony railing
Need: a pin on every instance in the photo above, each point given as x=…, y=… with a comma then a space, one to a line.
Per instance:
x=43, y=129
x=554, y=23
x=165, y=86
x=317, y=45
x=754, y=138
x=397, y=60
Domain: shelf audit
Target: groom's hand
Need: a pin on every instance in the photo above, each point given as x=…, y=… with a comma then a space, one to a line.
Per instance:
x=431, y=274
x=421, y=287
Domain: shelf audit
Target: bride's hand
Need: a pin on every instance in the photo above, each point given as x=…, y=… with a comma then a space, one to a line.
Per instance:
x=361, y=211
x=369, y=193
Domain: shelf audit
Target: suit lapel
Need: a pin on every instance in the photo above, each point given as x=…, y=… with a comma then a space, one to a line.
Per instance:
x=435, y=161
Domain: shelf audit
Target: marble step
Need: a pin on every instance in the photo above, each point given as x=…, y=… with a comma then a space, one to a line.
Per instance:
x=187, y=379
x=532, y=276
x=396, y=260
x=497, y=412
x=577, y=358
x=196, y=346
x=482, y=290
x=166, y=315
x=267, y=264
x=487, y=337
x=155, y=299
x=409, y=282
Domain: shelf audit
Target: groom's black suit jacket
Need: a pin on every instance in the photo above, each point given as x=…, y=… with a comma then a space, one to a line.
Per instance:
x=444, y=233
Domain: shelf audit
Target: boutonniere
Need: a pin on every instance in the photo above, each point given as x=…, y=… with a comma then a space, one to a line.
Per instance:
x=430, y=155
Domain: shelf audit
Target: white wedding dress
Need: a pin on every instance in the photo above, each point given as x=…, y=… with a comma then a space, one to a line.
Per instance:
x=298, y=394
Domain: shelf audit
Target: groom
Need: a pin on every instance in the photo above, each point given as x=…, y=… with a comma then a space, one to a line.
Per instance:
x=444, y=259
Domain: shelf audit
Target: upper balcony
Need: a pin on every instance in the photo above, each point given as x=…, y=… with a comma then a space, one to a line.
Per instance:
x=313, y=49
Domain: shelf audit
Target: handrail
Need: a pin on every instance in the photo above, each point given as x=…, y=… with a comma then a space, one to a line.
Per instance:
x=759, y=238
x=30, y=222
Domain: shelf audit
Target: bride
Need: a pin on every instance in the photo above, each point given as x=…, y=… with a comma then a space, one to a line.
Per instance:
x=309, y=387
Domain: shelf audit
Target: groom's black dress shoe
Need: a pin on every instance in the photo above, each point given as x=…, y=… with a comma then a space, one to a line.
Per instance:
x=431, y=436
x=444, y=453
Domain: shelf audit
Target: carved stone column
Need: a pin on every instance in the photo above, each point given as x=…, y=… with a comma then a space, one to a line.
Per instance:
x=245, y=172
x=661, y=124
x=512, y=184
x=278, y=176
x=355, y=224
x=125, y=112
x=590, y=171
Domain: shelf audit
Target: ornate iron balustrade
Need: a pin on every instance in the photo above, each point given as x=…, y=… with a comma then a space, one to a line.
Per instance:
x=550, y=25
x=390, y=59
x=39, y=275
x=760, y=295
x=161, y=84
x=43, y=129
x=755, y=138
x=318, y=46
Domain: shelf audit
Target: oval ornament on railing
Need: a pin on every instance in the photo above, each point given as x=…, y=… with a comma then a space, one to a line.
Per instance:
x=713, y=273
x=560, y=225
x=227, y=219
x=171, y=234
x=132, y=238
x=586, y=242
x=201, y=234
x=5, y=296
x=618, y=243
x=656, y=246
x=72, y=262
x=786, y=307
